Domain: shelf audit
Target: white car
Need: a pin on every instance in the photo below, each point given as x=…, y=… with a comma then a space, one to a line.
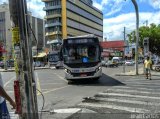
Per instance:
x=129, y=62
x=103, y=62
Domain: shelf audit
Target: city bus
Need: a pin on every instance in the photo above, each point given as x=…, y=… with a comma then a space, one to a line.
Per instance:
x=82, y=57
x=54, y=59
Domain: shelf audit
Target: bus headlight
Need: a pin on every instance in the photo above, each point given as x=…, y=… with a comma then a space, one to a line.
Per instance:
x=68, y=71
x=98, y=69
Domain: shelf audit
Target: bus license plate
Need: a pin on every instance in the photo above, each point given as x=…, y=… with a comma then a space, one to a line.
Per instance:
x=83, y=75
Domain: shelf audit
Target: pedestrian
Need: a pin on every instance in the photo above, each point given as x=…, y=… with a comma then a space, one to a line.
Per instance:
x=147, y=66
x=4, y=114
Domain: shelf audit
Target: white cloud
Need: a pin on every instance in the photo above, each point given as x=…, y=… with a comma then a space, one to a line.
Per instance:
x=113, y=27
x=2, y=1
x=97, y=5
x=111, y=6
x=36, y=7
x=155, y=4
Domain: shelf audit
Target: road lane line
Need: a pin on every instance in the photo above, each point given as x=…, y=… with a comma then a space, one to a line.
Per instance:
x=51, y=84
x=52, y=90
x=38, y=83
x=9, y=81
x=60, y=77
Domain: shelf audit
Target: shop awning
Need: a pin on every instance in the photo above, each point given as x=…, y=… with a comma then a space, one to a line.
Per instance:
x=40, y=55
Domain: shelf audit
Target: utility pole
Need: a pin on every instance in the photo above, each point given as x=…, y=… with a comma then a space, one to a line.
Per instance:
x=124, y=49
x=137, y=35
x=23, y=56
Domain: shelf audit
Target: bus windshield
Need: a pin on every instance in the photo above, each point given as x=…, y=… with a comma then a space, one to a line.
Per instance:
x=81, y=53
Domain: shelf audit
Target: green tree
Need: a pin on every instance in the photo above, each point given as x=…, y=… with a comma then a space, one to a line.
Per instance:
x=152, y=32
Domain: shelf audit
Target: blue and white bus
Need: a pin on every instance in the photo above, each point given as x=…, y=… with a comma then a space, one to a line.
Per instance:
x=54, y=59
x=82, y=57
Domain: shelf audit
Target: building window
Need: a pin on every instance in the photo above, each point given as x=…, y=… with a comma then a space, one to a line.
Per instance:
x=52, y=12
x=55, y=20
x=53, y=3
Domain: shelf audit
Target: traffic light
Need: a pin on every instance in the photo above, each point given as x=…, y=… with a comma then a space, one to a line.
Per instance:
x=146, y=45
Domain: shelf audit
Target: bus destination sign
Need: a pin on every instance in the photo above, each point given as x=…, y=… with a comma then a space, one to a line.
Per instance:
x=79, y=41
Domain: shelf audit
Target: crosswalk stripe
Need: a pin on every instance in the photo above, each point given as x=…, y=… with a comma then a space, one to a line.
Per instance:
x=147, y=103
x=145, y=83
x=137, y=88
x=141, y=85
x=126, y=95
x=123, y=108
x=131, y=91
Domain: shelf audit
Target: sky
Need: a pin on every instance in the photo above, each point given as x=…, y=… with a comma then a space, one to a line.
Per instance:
x=117, y=14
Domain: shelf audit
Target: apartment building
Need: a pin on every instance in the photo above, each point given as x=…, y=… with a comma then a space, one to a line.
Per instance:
x=5, y=29
x=37, y=25
x=65, y=18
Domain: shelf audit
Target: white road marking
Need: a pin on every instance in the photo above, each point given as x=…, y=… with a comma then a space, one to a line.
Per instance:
x=127, y=95
x=123, y=108
x=131, y=91
x=61, y=77
x=9, y=81
x=137, y=88
x=147, y=103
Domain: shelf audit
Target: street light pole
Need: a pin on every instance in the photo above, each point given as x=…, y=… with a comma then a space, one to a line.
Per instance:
x=124, y=49
x=137, y=35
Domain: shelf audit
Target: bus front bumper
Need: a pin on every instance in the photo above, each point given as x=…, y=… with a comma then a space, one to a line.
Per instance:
x=71, y=76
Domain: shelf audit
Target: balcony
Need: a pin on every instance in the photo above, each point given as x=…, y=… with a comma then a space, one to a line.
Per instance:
x=51, y=7
x=46, y=0
x=53, y=24
x=52, y=16
x=53, y=33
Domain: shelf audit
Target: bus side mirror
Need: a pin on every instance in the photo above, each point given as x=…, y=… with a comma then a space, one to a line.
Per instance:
x=101, y=49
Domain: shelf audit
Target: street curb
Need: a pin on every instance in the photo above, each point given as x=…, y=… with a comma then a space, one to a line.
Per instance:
x=64, y=114
x=12, y=70
x=128, y=74
x=83, y=110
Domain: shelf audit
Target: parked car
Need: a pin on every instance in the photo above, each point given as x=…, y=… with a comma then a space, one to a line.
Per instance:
x=38, y=64
x=129, y=63
x=103, y=62
x=111, y=64
x=117, y=60
x=10, y=63
x=1, y=64
x=157, y=67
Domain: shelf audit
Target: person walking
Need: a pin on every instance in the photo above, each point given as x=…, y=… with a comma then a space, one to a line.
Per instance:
x=147, y=66
x=4, y=114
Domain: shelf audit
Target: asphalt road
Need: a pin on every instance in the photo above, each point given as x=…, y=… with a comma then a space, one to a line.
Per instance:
x=56, y=89
x=59, y=95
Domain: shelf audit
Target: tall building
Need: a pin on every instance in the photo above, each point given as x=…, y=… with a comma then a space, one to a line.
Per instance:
x=5, y=29
x=37, y=26
x=65, y=18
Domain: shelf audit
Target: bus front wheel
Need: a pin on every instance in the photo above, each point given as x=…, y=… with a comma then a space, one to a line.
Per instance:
x=57, y=67
x=96, y=79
